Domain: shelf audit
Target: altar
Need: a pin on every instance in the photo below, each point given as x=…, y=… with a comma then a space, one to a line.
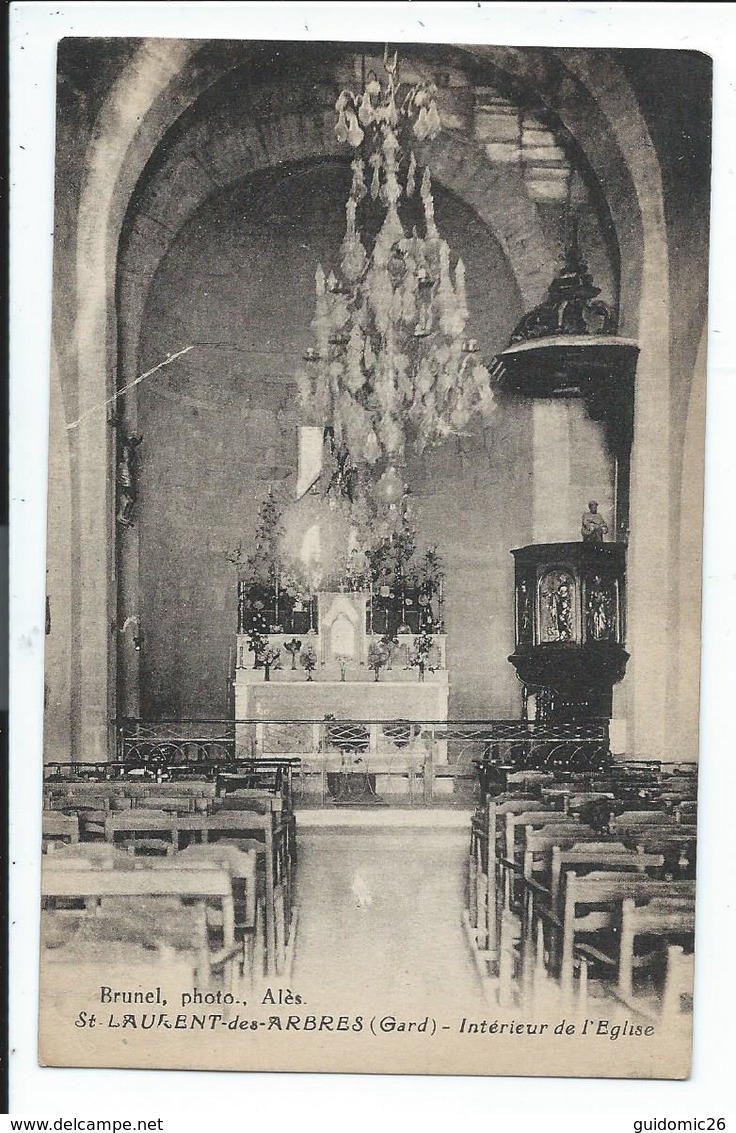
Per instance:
x=347, y=697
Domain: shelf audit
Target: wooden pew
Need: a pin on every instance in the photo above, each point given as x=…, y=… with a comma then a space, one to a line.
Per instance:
x=144, y=829
x=91, y=855
x=169, y=803
x=99, y=889
x=239, y=863
x=630, y=819
x=57, y=827
x=277, y=834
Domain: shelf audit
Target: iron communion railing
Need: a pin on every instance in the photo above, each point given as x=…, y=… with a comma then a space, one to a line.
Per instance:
x=418, y=759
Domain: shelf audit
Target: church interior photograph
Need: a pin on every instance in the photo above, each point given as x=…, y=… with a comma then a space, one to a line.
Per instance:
x=374, y=530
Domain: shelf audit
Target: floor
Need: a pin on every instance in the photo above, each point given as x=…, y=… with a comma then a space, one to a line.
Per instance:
x=380, y=901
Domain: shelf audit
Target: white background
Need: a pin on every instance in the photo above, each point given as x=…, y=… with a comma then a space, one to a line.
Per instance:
x=324, y=1102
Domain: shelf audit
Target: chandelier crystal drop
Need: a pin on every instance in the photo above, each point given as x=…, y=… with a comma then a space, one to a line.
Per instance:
x=391, y=367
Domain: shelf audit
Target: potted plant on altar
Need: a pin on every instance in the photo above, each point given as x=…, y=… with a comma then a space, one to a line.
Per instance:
x=293, y=647
x=258, y=571
x=390, y=644
x=430, y=576
x=308, y=659
x=266, y=655
x=419, y=657
x=378, y=656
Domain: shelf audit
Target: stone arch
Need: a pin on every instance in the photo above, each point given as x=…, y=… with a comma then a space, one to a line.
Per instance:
x=151, y=93
x=182, y=186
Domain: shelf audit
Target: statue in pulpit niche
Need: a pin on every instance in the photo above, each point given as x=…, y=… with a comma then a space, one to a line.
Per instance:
x=594, y=526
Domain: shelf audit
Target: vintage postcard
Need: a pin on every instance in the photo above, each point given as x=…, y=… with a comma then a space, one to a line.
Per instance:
x=374, y=557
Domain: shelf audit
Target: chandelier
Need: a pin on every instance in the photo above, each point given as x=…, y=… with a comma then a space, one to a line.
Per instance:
x=391, y=368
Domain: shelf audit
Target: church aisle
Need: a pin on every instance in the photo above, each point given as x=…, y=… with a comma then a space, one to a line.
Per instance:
x=380, y=919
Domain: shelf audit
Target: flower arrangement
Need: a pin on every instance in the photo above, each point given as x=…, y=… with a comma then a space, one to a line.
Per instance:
x=308, y=660
x=419, y=656
x=378, y=656
x=390, y=644
x=266, y=655
x=293, y=647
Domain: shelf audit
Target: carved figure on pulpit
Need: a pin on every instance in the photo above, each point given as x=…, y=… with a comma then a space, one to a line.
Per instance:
x=524, y=607
x=562, y=610
x=599, y=619
x=557, y=594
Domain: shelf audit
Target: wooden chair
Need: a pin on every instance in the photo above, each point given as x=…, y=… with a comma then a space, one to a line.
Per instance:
x=686, y=812
x=191, y=789
x=589, y=910
x=532, y=865
x=678, y=984
x=531, y=780
x=240, y=864
x=677, y=844
x=486, y=849
x=597, y=855
x=667, y=919
x=511, y=856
